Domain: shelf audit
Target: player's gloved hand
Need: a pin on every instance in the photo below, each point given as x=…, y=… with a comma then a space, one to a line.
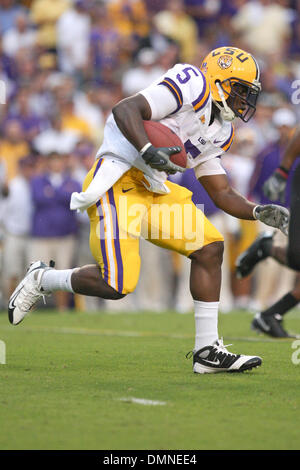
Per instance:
x=274, y=187
x=273, y=215
x=159, y=158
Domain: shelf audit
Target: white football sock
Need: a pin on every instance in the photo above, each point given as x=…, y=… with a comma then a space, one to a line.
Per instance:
x=57, y=279
x=206, y=323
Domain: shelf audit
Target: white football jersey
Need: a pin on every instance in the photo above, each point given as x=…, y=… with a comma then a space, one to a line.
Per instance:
x=180, y=100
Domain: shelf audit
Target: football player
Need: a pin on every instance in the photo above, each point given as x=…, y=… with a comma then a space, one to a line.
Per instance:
x=270, y=320
x=129, y=178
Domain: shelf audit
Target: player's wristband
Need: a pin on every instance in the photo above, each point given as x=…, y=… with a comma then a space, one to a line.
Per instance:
x=143, y=150
x=253, y=212
x=283, y=171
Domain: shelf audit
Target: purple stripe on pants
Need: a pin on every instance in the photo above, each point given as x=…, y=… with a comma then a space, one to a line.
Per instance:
x=116, y=240
x=102, y=232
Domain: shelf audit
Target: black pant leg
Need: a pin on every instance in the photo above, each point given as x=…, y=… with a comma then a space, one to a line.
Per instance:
x=293, y=253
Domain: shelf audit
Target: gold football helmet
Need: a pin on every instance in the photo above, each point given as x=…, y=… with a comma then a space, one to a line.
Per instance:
x=233, y=75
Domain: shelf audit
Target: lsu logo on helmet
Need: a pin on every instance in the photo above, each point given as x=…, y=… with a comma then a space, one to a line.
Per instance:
x=225, y=61
x=233, y=75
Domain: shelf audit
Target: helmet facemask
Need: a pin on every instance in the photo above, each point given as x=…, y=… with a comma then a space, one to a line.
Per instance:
x=241, y=96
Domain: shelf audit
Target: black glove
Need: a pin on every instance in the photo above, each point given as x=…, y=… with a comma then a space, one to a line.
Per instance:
x=274, y=187
x=273, y=215
x=159, y=158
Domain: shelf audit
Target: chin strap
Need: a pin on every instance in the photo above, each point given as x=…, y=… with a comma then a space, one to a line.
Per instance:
x=226, y=113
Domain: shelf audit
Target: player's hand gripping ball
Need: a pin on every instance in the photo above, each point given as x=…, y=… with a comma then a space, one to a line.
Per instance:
x=167, y=152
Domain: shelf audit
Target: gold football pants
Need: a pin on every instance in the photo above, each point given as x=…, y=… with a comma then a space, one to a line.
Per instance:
x=128, y=211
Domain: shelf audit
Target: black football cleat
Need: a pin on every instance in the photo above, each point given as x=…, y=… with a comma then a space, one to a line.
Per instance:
x=216, y=358
x=259, y=250
x=270, y=325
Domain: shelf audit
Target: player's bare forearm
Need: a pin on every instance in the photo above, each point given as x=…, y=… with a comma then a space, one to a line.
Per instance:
x=129, y=115
x=235, y=204
x=292, y=151
x=227, y=198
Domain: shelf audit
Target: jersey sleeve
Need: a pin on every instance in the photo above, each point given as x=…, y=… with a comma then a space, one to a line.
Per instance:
x=226, y=144
x=210, y=167
x=186, y=85
x=161, y=101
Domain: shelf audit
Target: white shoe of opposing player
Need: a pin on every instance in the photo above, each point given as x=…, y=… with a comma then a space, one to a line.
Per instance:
x=28, y=292
x=217, y=358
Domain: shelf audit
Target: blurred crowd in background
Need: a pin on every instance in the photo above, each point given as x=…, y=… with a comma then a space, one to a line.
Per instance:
x=65, y=63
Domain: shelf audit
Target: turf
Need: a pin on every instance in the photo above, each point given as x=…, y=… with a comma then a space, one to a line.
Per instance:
x=69, y=379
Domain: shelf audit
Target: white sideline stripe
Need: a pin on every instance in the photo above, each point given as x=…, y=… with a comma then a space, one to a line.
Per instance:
x=257, y=340
x=133, y=334
x=143, y=401
x=87, y=331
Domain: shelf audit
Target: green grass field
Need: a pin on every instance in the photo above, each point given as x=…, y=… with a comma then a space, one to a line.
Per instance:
x=70, y=378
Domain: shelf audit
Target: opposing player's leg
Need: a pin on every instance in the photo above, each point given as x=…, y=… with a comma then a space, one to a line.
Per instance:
x=265, y=246
x=179, y=225
x=259, y=250
x=293, y=252
x=270, y=321
x=115, y=222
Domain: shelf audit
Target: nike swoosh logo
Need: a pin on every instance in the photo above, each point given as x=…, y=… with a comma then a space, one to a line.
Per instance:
x=215, y=363
x=217, y=141
x=11, y=304
x=263, y=324
x=126, y=190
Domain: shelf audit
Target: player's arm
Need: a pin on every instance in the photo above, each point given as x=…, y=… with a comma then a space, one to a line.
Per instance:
x=229, y=200
x=129, y=115
x=213, y=178
x=275, y=186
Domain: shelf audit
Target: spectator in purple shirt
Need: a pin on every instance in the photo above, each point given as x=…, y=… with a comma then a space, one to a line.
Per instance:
x=30, y=122
x=204, y=12
x=105, y=44
x=54, y=226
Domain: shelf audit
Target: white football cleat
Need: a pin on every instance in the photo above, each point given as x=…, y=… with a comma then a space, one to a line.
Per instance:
x=28, y=292
x=216, y=358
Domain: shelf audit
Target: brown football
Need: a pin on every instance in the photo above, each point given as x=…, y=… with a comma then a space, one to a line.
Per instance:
x=161, y=136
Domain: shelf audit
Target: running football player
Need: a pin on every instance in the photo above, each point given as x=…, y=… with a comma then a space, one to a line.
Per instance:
x=270, y=320
x=129, y=178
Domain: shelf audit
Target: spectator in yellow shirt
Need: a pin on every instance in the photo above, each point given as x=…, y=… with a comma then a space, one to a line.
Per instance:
x=13, y=147
x=72, y=122
x=177, y=25
x=129, y=17
x=45, y=13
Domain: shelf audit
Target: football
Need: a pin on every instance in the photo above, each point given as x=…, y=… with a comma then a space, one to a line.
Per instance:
x=161, y=136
